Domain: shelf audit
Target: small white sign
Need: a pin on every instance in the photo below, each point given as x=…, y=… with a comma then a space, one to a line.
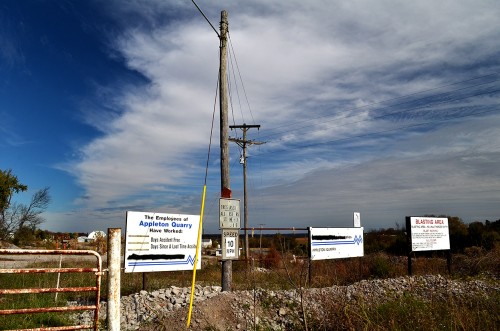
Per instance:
x=356, y=220
x=335, y=243
x=429, y=233
x=229, y=213
x=230, y=248
x=161, y=242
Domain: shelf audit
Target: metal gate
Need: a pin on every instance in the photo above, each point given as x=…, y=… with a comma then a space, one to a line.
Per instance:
x=97, y=271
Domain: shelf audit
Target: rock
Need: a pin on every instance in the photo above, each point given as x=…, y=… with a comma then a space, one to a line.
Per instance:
x=143, y=307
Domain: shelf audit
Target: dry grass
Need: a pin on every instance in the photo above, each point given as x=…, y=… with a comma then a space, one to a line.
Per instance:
x=284, y=272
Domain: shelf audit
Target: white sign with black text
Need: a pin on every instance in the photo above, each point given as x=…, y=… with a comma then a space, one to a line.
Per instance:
x=230, y=248
x=229, y=213
x=161, y=242
x=428, y=233
x=335, y=243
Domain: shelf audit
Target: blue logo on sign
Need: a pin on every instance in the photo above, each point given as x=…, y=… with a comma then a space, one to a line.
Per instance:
x=358, y=239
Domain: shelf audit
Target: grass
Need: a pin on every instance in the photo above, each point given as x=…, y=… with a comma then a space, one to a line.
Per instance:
x=41, y=300
x=406, y=313
x=412, y=314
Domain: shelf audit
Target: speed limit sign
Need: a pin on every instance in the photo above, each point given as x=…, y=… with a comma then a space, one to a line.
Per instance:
x=229, y=244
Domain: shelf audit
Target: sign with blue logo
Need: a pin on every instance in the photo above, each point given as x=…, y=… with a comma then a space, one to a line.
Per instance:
x=335, y=243
x=161, y=242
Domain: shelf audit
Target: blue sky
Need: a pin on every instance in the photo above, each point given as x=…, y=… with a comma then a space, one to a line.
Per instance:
x=385, y=108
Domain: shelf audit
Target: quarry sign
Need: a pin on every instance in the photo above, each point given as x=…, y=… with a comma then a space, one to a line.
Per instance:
x=335, y=243
x=160, y=242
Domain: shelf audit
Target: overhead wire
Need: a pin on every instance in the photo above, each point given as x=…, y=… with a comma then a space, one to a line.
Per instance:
x=206, y=18
x=431, y=100
x=234, y=66
x=211, y=130
x=231, y=60
x=241, y=79
x=428, y=100
x=202, y=208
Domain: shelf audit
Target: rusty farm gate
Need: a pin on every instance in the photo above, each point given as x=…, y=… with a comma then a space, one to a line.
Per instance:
x=94, y=285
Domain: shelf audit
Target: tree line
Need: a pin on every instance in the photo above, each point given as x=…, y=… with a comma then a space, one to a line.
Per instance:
x=485, y=235
x=19, y=224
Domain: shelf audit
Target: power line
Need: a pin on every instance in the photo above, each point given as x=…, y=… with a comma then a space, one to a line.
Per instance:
x=241, y=79
x=206, y=18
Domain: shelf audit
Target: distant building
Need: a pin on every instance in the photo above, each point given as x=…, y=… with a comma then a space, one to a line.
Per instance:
x=95, y=234
x=83, y=239
x=206, y=243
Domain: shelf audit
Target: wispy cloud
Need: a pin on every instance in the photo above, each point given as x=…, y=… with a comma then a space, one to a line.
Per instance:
x=316, y=74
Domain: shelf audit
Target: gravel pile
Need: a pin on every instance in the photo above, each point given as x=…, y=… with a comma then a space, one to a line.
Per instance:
x=138, y=308
x=282, y=310
x=278, y=309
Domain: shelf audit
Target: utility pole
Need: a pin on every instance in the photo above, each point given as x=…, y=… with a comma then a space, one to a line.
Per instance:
x=227, y=265
x=243, y=144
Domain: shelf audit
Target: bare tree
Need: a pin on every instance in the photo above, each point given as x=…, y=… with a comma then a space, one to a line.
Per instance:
x=16, y=217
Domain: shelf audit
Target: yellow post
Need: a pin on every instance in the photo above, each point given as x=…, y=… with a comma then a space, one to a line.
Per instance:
x=196, y=256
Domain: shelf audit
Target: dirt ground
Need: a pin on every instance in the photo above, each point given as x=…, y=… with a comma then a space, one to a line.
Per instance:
x=212, y=314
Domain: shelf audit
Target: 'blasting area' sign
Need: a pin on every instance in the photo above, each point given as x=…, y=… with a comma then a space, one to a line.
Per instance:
x=335, y=243
x=428, y=233
x=161, y=242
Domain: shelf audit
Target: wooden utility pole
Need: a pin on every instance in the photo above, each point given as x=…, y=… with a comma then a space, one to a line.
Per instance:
x=227, y=265
x=243, y=144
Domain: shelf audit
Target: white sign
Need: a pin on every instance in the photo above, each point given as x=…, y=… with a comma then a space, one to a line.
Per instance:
x=356, y=220
x=229, y=213
x=335, y=243
x=161, y=242
x=230, y=248
x=428, y=233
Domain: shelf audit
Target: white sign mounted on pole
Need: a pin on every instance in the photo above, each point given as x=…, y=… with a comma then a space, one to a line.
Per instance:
x=428, y=233
x=229, y=213
x=230, y=249
x=335, y=243
x=356, y=218
x=161, y=242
